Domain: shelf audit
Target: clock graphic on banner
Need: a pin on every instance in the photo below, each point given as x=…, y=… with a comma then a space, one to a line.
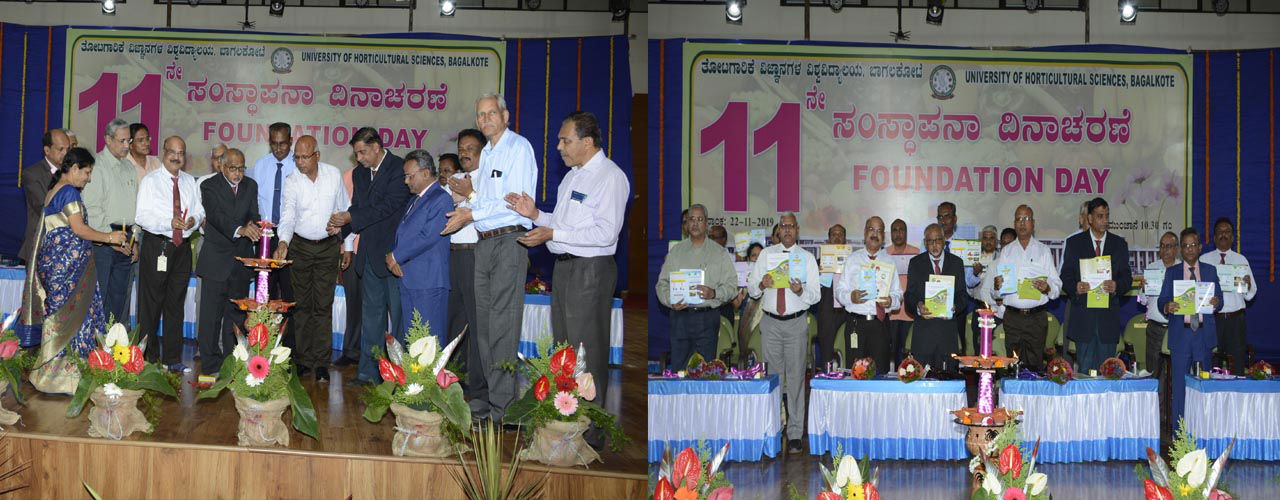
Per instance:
x=282, y=60
x=942, y=81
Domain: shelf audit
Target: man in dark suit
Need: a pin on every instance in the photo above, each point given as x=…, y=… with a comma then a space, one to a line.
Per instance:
x=231, y=215
x=1191, y=336
x=420, y=254
x=378, y=199
x=934, y=338
x=1096, y=331
x=36, y=181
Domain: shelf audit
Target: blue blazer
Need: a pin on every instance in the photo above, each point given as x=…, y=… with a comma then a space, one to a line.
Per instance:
x=419, y=248
x=1207, y=273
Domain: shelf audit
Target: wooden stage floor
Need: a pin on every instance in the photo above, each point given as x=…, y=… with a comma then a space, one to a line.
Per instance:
x=211, y=424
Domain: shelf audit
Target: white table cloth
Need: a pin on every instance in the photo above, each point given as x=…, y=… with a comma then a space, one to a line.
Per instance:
x=1086, y=420
x=1219, y=410
x=745, y=413
x=887, y=419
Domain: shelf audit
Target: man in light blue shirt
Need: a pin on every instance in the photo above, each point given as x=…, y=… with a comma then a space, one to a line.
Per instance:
x=269, y=172
x=507, y=165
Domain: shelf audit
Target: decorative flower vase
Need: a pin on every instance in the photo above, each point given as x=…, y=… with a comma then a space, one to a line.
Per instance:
x=261, y=422
x=979, y=436
x=115, y=417
x=418, y=434
x=7, y=417
x=561, y=444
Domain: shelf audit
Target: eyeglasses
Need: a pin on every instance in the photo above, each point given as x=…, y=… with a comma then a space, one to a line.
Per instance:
x=697, y=219
x=1024, y=219
x=1168, y=245
x=126, y=140
x=240, y=168
x=171, y=152
x=788, y=226
x=307, y=157
x=934, y=240
x=1190, y=246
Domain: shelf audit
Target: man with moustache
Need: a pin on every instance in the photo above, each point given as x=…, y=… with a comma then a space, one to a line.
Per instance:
x=900, y=321
x=140, y=151
x=1026, y=321
x=1096, y=331
x=1157, y=323
x=36, y=181
x=419, y=255
x=110, y=203
x=230, y=204
x=462, y=268
x=1232, y=340
x=983, y=270
x=169, y=211
x=1192, y=335
x=269, y=173
x=934, y=338
x=869, y=316
x=829, y=313
x=947, y=220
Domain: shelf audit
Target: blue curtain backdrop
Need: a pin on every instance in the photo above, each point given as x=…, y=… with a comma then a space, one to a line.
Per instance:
x=1230, y=87
x=546, y=79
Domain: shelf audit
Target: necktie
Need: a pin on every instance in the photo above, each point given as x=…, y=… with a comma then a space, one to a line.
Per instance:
x=1194, y=320
x=177, y=213
x=275, y=196
x=936, y=268
x=1097, y=247
x=879, y=306
x=235, y=189
x=413, y=201
x=946, y=246
x=782, y=300
x=1222, y=258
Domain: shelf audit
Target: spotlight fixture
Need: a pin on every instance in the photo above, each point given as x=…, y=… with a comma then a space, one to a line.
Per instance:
x=933, y=14
x=276, y=8
x=533, y=4
x=193, y=2
x=835, y=5
x=1128, y=12
x=447, y=8
x=109, y=7
x=1032, y=5
x=620, y=9
x=733, y=11
x=1220, y=7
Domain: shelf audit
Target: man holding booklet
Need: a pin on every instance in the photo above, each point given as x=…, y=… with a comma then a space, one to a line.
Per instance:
x=1236, y=280
x=1190, y=297
x=1095, y=274
x=1153, y=279
x=695, y=280
x=935, y=293
x=1027, y=279
x=830, y=311
x=869, y=289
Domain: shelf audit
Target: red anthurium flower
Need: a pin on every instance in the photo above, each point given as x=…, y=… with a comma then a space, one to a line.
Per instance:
x=385, y=369
x=445, y=378
x=664, y=490
x=1150, y=491
x=688, y=469
x=8, y=349
x=869, y=490
x=721, y=493
x=1010, y=460
x=101, y=360
x=258, y=336
x=136, y=363
x=563, y=361
x=828, y=495
x=541, y=388
x=399, y=374
x=566, y=384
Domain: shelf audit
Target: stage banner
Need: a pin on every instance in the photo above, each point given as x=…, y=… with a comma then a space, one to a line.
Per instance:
x=837, y=134
x=212, y=88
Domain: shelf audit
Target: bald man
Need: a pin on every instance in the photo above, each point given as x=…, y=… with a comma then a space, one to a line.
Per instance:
x=934, y=337
x=230, y=201
x=36, y=181
x=168, y=211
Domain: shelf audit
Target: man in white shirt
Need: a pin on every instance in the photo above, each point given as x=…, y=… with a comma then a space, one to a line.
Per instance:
x=582, y=232
x=869, y=316
x=1157, y=323
x=169, y=210
x=308, y=200
x=983, y=271
x=784, y=332
x=1232, y=341
x=1026, y=322
x=462, y=264
x=829, y=314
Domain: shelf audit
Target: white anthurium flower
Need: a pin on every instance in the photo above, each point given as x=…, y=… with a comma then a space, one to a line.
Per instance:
x=847, y=472
x=413, y=389
x=112, y=390
x=240, y=353
x=425, y=349
x=117, y=336
x=252, y=380
x=991, y=483
x=1194, y=466
x=1036, y=483
x=280, y=354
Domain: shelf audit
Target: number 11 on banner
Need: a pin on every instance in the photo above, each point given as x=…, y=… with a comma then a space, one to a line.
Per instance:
x=105, y=94
x=730, y=130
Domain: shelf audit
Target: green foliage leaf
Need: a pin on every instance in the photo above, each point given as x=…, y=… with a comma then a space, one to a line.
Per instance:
x=152, y=379
x=13, y=374
x=304, y=415
x=83, y=389
x=452, y=405
x=377, y=401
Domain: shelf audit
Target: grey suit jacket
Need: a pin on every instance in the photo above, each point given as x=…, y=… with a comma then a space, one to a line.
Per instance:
x=36, y=181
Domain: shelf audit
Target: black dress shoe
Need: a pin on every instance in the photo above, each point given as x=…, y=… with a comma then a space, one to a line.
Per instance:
x=345, y=361
x=322, y=374
x=303, y=371
x=358, y=382
x=795, y=446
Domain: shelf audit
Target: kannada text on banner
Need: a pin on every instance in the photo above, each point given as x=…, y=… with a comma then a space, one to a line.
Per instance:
x=837, y=134
x=226, y=88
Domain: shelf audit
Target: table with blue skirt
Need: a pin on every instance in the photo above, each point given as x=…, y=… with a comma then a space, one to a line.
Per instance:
x=1219, y=410
x=745, y=413
x=537, y=313
x=887, y=419
x=1086, y=420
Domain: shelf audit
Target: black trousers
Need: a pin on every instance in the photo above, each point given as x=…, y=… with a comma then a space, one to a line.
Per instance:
x=1155, y=342
x=280, y=287
x=462, y=314
x=217, y=316
x=1232, y=340
x=351, y=289
x=898, y=330
x=315, y=275
x=830, y=320
x=874, y=340
x=161, y=294
x=1026, y=334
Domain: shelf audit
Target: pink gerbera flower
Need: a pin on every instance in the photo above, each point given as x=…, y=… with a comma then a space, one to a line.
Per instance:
x=566, y=403
x=259, y=367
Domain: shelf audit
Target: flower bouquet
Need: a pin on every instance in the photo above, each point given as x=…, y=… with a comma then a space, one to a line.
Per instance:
x=264, y=384
x=1193, y=477
x=699, y=368
x=685, y=479
x=863, y=369
x=910, y=370
x=850, y=479
x=1060, y=371
x=426, y=398
x=1003, y=473
x=558, y=407
x=537, y=287
x=12, y=363
x=114, y=378
x=1259, y=371
x=1112, y=369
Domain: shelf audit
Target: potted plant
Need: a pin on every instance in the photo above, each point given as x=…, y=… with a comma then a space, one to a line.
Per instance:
x=264, y=384
x=13, y=362
x=425, y=397
x=1193, y=477
x=686, y=479
x=115, y=377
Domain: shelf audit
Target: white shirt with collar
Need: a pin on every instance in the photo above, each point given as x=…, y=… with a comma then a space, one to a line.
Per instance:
x=1154, y=313
x=468, y=233
x=1232, y=301
x=155, y=202
x=849, y=281
x=590, y=203
x=306, y=205
x=53, y=169
x=810, y=294
x=1034, y=260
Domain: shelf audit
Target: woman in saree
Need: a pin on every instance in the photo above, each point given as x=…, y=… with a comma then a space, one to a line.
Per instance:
x=61, y=294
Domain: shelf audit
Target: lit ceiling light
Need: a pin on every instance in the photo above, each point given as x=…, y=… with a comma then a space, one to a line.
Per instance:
x=933, y=14
x=1128, y=12
x=733, y=11
x=109, y=7
x=447, y=8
